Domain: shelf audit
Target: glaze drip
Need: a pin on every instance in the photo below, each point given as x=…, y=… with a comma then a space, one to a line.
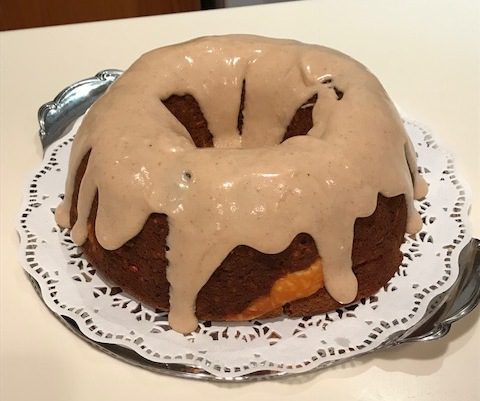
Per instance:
x=251, y=189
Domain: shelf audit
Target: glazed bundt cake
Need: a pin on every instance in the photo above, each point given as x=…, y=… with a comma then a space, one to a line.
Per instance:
x=241, y=177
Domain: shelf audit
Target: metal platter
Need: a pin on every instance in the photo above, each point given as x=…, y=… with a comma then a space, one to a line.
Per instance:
x=57, y=116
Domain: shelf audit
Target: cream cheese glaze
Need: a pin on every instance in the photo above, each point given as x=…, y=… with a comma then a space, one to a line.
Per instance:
x=249, y=189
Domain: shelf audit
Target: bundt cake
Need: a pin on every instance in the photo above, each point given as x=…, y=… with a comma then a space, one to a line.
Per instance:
x=241, y=177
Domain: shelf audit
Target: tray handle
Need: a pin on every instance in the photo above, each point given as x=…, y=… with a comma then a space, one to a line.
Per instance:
x=56, y=116
x=458, y=301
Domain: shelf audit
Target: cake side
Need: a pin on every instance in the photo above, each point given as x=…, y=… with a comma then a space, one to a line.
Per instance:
x=139, y=267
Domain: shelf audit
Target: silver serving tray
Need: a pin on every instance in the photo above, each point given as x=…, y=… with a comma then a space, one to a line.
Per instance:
x=57, y=116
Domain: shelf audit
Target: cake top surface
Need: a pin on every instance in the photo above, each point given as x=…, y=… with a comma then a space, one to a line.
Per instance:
x=250, y=188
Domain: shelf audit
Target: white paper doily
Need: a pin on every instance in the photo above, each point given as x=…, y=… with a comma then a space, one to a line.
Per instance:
x=104, y=314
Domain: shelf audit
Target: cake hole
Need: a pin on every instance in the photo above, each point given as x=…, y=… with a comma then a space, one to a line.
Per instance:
x=301, y=121
x=338, y=93
x=187, y=111
x=240, y=110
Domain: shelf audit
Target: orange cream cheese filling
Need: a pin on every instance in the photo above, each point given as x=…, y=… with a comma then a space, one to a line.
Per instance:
x=292, y=286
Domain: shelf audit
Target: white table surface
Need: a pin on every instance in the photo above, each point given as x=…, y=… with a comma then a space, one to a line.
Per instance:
x=427, y=55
